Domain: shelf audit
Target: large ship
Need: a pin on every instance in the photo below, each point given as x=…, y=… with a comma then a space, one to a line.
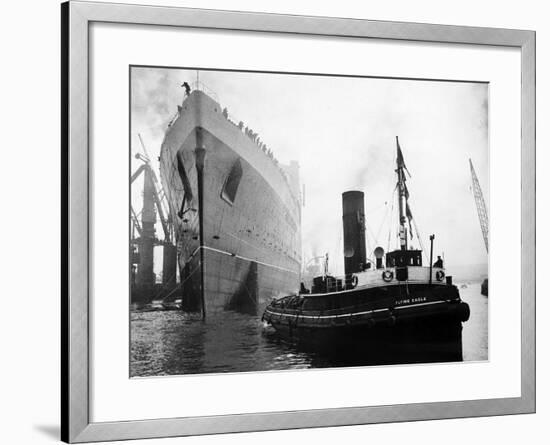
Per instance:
x=236, y=209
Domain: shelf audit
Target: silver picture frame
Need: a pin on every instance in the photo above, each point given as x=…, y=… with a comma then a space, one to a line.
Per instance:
x=75, y=394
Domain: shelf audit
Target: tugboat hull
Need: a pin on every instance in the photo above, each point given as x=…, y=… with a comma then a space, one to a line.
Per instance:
x=412, y=341
x=426, y=327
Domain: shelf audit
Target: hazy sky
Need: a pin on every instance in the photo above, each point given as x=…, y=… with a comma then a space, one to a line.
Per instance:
x=342, y=132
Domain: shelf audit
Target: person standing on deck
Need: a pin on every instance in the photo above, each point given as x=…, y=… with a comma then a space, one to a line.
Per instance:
x=187, y=88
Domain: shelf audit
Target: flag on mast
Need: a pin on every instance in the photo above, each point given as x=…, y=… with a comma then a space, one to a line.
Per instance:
x=400, y=159
x=401, y=165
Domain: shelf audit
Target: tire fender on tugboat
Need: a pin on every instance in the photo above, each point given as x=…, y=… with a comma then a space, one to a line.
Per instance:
x=387, y=276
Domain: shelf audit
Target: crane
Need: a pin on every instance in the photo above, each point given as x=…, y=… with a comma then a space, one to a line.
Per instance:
x=156, y=194
x=483, y=220
x=480, y=204
x=144, y=286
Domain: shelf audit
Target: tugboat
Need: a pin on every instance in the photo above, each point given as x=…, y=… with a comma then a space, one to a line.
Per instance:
x=390, y=300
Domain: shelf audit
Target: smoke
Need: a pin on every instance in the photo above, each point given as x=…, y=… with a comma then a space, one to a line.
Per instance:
x=155, y=96
x=342, y=132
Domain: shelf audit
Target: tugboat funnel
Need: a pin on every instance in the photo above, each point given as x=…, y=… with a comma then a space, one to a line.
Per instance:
x=353, y=206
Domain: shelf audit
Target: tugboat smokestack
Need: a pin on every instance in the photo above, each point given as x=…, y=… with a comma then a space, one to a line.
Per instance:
x=355, y=256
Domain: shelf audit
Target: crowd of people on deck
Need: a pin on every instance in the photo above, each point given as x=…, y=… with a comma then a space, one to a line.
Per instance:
x=249, y=132
x=254, y=137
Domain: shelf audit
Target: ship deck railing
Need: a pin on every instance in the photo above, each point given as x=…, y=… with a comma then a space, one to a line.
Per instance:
x=200, y=86
x=196, y=86
x=337, y=303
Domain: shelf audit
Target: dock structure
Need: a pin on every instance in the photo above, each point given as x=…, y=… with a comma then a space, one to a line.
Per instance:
x=145, y=276
x=144, y=286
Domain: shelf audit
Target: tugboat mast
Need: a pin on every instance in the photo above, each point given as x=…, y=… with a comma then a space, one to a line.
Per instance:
x=403, y=195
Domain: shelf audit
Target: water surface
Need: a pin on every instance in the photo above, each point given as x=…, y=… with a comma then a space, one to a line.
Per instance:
x=173, y=342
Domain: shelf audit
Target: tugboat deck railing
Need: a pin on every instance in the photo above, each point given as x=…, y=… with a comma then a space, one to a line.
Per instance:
x=416, y=274
x=374, y=278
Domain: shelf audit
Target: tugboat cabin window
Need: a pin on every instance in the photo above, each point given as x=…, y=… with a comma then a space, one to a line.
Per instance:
x=402, y=258
x=232, y=182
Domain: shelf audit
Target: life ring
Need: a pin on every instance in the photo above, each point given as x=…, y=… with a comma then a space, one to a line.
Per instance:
x=354, y=280
x=439, y=275
x=387, y=276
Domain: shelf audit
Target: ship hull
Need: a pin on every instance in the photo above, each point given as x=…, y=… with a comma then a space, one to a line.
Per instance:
x=234, y=283
x=236, y=214
x=485, y=287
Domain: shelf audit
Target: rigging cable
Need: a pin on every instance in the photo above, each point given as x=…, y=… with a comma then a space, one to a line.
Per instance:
x=369, y=231
x=339, y=243
x=419, y=236
x=385, y=216
x=391, y=220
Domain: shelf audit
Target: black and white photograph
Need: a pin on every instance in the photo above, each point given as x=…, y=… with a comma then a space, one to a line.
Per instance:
x=275, y=222
x=287, y=221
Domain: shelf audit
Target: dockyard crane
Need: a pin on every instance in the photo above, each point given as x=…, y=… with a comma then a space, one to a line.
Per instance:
x=144, y=285
x=156, y=192
x=483, y=220
x=480, y=204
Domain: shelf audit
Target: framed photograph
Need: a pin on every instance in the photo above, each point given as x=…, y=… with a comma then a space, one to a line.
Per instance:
x=276, y=222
